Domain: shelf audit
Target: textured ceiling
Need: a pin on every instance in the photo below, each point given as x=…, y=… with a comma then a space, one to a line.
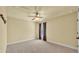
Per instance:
x=48, y=12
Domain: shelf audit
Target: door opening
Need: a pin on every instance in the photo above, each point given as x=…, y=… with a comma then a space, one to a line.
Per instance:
x=42, y=31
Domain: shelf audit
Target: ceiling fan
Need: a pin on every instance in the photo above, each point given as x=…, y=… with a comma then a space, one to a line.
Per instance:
x=36, y=14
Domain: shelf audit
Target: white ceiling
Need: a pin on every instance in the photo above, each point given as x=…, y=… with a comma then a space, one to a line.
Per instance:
x=48, y=12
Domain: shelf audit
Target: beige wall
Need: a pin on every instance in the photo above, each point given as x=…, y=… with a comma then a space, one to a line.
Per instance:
x=3, y=31
x=62, y=30
x=37, y=30
x=20, y=30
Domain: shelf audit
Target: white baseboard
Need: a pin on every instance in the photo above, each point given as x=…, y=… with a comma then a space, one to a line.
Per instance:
x=18, y=42
x=63, y=45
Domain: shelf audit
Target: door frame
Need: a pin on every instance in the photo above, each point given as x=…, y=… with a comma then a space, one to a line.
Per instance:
x=44, y=31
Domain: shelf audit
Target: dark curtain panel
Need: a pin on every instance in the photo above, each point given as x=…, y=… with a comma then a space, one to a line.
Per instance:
x=44, y=27
x=40, y=31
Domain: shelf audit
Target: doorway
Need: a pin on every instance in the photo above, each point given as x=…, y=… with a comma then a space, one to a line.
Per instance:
x=42, y=31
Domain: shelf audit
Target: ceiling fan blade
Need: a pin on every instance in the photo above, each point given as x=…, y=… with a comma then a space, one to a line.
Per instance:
x=31, y=16
x=33, y=19
x=39, y=17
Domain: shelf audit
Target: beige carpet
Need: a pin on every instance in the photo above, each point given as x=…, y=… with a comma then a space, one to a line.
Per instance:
x=38, y=46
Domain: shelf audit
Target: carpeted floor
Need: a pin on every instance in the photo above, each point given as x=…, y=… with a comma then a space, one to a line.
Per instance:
x=38, y=46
